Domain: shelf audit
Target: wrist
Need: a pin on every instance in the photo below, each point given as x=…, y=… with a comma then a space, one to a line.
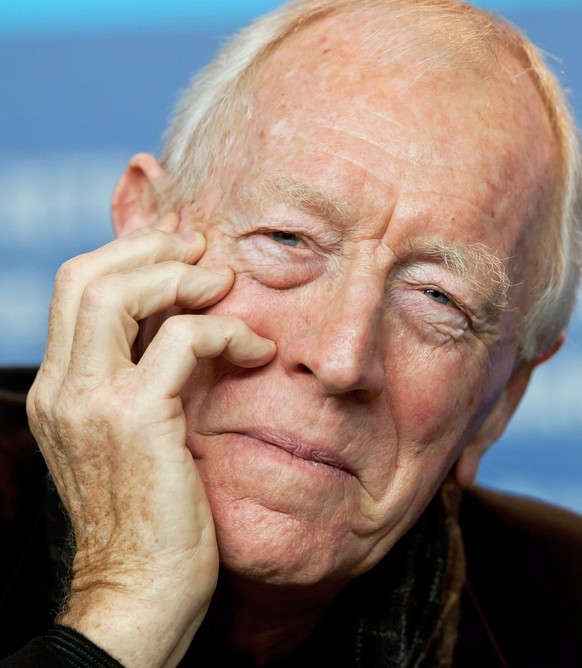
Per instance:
x=147, y=626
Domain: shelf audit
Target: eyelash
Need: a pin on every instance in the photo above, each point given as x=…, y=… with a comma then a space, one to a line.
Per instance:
x=451, y=303
x=286, y=235
x=439, y=293
x=431, y=293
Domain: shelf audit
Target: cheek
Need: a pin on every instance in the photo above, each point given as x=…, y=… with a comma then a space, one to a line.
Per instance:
x=260, y=309
x=265, y=311
x=432, y=392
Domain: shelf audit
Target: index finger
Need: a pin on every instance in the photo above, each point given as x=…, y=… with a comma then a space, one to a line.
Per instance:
x=144, y=247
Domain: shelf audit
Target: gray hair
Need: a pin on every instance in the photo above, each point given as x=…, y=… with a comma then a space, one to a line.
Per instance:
x=217, y=110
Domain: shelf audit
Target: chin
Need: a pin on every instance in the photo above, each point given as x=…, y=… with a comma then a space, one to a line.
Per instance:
x=274, y=548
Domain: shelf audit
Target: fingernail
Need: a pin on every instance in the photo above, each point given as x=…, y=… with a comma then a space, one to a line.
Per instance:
x=269, y=342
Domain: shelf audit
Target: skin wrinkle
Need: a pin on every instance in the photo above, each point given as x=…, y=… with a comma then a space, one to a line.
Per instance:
x=362, y=164
x=385, y=118
x=284, y=189
x=497, y=51
x=473, y=262
x=452, y=139
x=311, y=200
x=405, y=159
x=402, y=442
x=351, y=135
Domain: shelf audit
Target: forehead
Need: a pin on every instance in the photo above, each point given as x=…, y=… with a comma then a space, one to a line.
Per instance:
x=329, y=116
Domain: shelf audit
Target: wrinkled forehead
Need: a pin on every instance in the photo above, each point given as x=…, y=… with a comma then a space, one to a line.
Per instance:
x=486, y=125
x=393, y=57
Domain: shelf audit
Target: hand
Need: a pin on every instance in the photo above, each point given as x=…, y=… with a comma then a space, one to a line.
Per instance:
x=113, y=434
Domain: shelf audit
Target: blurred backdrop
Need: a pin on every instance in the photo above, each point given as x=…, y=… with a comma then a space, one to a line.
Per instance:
x=84, y=84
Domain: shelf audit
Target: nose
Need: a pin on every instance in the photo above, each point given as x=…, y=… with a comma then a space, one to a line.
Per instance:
x=338, y=342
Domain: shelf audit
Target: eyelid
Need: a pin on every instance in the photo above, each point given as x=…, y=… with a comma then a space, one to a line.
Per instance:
x=319, y=237
x=270, y=233
x=308, y=243
x=423, y=277
x=271, y=230
x=431, y=288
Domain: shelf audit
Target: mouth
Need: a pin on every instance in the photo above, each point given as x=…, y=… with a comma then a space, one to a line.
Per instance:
x=315, y=453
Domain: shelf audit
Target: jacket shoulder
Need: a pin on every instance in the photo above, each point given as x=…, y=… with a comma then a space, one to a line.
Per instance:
x=25, y=578
x=524, y=577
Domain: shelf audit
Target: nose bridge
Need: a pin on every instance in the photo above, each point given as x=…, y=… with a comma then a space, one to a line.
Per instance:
x=354, y=318
x=341, y=345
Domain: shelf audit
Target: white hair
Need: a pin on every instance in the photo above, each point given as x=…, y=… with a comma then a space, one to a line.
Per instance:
x=217, y=110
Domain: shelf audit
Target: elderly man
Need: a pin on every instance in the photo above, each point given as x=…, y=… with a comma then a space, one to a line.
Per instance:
x=259, y=403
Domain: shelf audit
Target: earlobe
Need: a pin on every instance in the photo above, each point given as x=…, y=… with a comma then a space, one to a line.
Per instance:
x=134, y=203
x=467, y=466
x=544, y=357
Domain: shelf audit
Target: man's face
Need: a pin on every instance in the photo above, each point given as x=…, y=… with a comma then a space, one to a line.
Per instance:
x=342, y=216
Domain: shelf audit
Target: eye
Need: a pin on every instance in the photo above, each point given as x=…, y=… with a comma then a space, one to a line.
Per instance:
x=437, y=296
x=285, y=238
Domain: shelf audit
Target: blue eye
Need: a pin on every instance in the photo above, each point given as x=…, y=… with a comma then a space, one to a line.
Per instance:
x=437, y=296
x=285, y=238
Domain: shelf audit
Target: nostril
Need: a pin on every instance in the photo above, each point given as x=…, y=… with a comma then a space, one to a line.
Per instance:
x=303, y=368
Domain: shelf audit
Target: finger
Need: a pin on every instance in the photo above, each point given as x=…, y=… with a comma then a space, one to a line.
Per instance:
x=140, y=248
x=112, y=305
x=182, y=340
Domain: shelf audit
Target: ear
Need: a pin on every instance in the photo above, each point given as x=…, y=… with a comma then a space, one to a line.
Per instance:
x=468, y=463
x=134, y=204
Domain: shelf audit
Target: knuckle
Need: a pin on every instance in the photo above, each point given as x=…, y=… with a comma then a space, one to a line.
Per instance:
x=39, y=404
x=62, y=414
x=72, y=271
x=31, y=411
x=150, y=236
x=232, y=326
x=175, y=269
x=101, y=291
x=175, y=326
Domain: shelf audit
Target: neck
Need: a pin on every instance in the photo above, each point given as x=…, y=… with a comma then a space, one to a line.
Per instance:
x=267, y=622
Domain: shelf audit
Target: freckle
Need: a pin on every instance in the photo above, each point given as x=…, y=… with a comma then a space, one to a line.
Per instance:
x=492, y=214
x=326, y=50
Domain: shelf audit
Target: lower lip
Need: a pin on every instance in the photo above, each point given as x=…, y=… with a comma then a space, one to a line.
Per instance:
x=269, y=452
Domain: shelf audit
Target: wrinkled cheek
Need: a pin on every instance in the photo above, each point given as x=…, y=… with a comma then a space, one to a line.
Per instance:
x=436, y=400
x=431, y=414
x=264, y=311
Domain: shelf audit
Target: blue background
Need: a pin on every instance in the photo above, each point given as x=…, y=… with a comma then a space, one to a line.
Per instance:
x=85, y=84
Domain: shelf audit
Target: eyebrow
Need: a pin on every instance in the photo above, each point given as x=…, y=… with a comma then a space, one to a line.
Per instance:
x=483, y=270
x=306, y=198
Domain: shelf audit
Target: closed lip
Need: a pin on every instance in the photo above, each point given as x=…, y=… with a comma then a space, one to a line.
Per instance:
x=299, y=447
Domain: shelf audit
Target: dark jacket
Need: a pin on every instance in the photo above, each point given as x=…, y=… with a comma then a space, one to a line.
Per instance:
x=521, y=604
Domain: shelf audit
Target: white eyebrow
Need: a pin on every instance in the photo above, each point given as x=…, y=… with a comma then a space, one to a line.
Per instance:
x=479, y=266
x=309, y=199
x=482, y=269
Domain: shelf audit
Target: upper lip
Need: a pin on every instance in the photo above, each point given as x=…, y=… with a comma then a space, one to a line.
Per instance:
x=299, y=447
